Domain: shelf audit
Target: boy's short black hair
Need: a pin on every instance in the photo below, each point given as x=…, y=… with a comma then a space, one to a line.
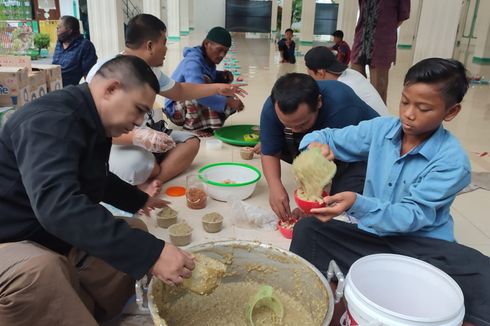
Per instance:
x=142, y=28
x=130, y=71
x=71, y=22
x=449, y=74
x=293, y=89
x=288, y=30
x=338, y=34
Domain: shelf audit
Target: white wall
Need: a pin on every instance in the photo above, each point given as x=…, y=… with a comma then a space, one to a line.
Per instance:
x=347, y=19
x=66, y=8
x=137, y=4
x=208, y=14
x=436, y=37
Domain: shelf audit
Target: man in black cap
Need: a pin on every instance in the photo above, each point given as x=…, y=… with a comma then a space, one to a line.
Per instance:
x=199, y=66
x=321, y=64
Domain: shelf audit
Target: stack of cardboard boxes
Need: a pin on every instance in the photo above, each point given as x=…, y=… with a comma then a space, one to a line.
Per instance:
x=22, y=82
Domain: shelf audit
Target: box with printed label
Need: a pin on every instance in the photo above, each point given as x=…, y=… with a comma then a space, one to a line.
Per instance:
x=53, y=75
x=14, y=86
x=15, y=61
x=37, y=81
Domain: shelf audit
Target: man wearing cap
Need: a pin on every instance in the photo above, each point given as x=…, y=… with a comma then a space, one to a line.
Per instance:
x=199, y=66
x=321, y=64
x=299, y=105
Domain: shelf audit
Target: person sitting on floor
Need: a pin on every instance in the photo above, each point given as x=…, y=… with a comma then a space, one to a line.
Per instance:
x=415, y=169
x=66, y=260
x=321, y=64
x=341, y=47
x=298, y=105
x=145, y=157
x=286, y=47
x=198, y=65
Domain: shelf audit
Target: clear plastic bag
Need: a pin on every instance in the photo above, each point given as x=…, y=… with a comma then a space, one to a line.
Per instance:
x=152, y=140
x=251, y=217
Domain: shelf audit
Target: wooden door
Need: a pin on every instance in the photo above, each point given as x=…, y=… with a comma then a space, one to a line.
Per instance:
x=46, y=9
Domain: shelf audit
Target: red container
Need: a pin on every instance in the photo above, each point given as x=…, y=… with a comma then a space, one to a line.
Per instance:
x=307, y=206
x=287, y=232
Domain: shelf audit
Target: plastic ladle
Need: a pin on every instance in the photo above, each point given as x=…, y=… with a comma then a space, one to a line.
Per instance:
x=264, y=298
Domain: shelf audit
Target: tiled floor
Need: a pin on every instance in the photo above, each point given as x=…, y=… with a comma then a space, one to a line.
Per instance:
x=259, y=68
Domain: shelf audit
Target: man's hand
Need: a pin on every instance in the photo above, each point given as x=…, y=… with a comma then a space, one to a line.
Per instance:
x=231, y=90
x=173, y=265
x=297, y=213
x=152, y=203
x=152, y=140
x=228, y=75
x=324, y=148
x=258, y=149
x=235, y=103
x=336, y=205
x=279, y=201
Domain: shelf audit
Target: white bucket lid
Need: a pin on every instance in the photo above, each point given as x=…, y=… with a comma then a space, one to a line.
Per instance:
x=404, y=288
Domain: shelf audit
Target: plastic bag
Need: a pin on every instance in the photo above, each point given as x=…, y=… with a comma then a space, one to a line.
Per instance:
x=251, y=217
x=152, y=140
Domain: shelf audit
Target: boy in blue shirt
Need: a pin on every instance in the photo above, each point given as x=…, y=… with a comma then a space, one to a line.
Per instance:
x=415, y=169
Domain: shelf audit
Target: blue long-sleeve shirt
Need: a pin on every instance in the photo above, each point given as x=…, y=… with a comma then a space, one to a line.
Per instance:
x=76, y=60
x=409, y=194
x=192, y=69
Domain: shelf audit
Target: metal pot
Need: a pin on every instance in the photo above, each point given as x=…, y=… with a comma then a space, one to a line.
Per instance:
x=286, y=271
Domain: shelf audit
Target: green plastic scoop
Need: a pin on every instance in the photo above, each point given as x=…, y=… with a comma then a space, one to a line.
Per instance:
x=264, y=298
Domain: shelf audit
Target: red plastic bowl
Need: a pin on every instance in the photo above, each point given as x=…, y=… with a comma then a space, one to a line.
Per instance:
x=287, y=233
x=307, y=206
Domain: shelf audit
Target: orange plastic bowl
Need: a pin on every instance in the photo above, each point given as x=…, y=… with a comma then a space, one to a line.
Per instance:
x=287, y=232
x=307, y=206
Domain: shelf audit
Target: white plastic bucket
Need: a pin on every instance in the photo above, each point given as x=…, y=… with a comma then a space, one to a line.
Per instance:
x=395, y=290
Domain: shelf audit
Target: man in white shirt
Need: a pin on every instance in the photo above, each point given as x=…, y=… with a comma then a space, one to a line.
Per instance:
x=132, y=155
x=323, y=65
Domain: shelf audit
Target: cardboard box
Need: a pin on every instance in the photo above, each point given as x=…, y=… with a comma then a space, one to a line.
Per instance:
x=37, y=82
x=53, y=75
x=14, y=86
x=15, y=61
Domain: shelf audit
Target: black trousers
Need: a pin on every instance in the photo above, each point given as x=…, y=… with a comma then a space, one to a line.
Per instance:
x=320, y=242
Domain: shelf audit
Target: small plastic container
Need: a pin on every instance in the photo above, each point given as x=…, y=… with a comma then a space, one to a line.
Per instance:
x=307, y=206
x=180, y=234
x=175, y=191
x=214, y=144
x=212, y=222
x=247, y=153
x=196, y=193
x=286, y=228
x=166, y=217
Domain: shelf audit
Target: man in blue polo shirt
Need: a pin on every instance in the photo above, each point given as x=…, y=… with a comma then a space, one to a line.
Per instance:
x=298, y=105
